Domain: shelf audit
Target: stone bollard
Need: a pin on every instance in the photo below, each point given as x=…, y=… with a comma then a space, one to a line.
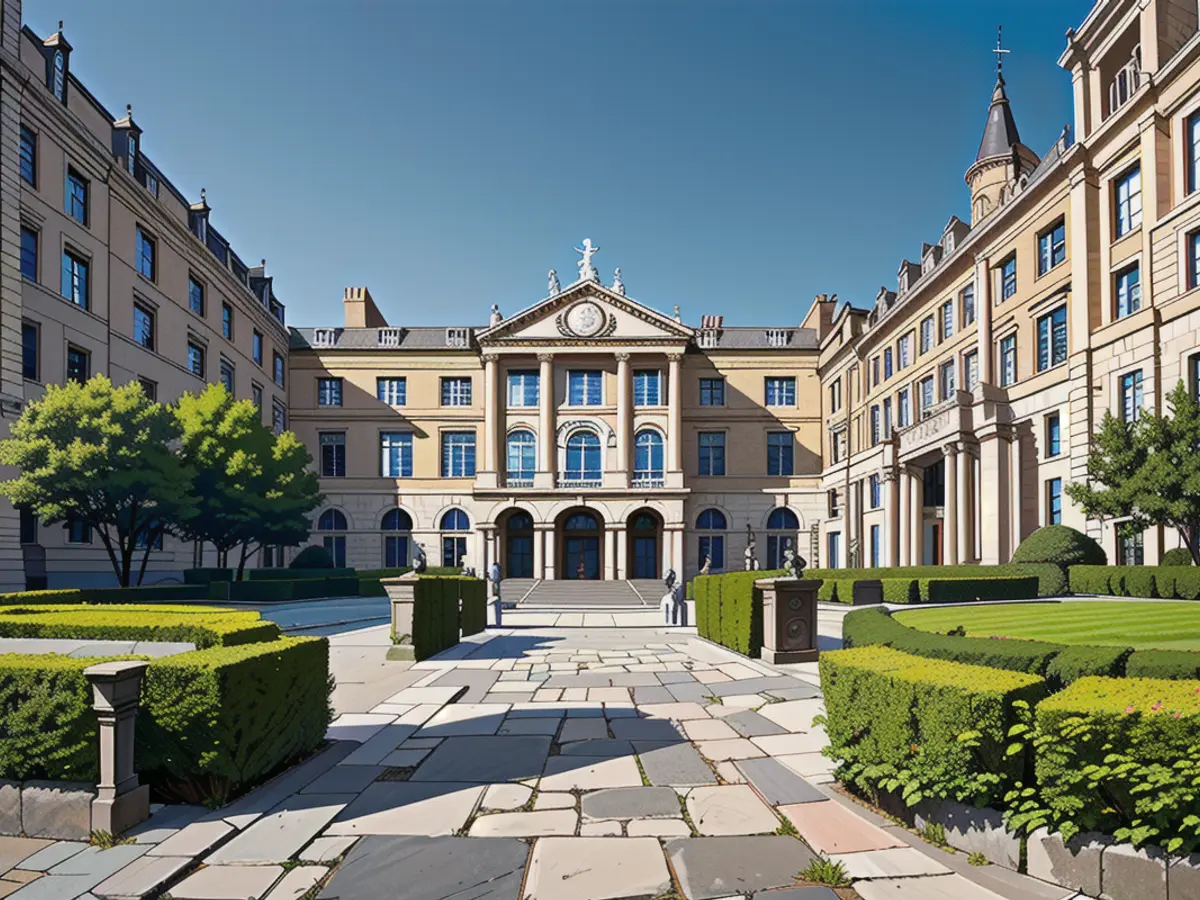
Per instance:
x=402, y=592
x=789, y=619
x=120, y=802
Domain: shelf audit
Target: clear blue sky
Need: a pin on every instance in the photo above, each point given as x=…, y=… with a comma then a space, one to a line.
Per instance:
x=731, y=157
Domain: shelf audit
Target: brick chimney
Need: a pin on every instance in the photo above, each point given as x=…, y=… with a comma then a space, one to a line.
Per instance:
x=361, y=311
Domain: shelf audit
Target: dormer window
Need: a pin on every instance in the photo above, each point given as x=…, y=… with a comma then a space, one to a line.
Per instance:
x=948, y=242
x=777, y=337
x=131, y=153
x=324, y=337
x=389, y=337
x=58, y=78
x=458, y=337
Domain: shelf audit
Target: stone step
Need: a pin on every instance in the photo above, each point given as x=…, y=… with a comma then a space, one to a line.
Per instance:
x=582, y=594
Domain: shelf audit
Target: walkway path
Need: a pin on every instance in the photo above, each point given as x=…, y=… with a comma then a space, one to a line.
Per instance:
x=538, y=764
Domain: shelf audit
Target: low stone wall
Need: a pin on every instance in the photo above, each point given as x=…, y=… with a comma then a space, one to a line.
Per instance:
x=47, y=809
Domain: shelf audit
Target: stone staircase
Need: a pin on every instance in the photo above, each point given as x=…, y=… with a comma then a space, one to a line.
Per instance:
x=650, y=589
x=514, y=590
x=582, y=595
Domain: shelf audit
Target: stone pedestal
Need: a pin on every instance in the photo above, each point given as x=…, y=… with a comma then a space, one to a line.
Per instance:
x=401, y=592
x=120, y=801
x=789, y=619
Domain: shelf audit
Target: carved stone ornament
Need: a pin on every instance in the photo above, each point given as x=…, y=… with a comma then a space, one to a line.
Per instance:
x=585, y=319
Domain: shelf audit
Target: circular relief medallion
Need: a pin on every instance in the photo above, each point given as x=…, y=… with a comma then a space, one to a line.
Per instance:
x=585, y=319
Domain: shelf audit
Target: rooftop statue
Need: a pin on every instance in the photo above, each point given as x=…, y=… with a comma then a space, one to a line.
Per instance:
x=587, y=272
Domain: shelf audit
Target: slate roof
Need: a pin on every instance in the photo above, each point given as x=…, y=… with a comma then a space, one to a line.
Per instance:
x=755, y=338
x=411, y=338
x=1000, y=134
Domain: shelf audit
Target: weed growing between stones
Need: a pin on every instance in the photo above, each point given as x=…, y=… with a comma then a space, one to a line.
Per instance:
x=935, y=834
x=106, y=840
x=786, y=828
x=822, y=870
x=978, y=859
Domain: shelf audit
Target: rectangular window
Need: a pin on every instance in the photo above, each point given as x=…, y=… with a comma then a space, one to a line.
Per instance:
x=1131, y=395
x=28, y=156
x=522, y=463
x=927, y=334
x=647, y=387
x=947, y=319
x=75, y=279
x=256, y=396
x=277, y=362
x=79, y=365
x=876, y=560
x=888, y=363
x=968, y=305
x=903, y=409
x=834, y=540
x=77, y=197
x=29, y=253
x=1052, y=247
x=712, y=548
x=1193, y=152
x=927, y=395
x=712, y=391
x=456, y=391
x=1053, y=435
x=149, y=388
x=278, y=417
x=887, y=418
x=971, y=370
x=146, y=249
x=29, y=351
x=1128, y=291
x=1193, y=248
x=585, y=387
x=835, y=396
x=874, y=371
x=195, y=357
x=392, y=391
x=1130, y=546
x=523, y=388
x=947, y=378
x=875, y=494
x=835, y=447
x=712, y=452
x=1052, y=339
x=1008, y=360
x=1008, y=277
x=779, y=452
x=396, y=453
x=196, y=297
x=781, y=391
x=227, y=375
x=1128, y=195
x=904, y=350
x=458, y=454
x=227, y=321
x=1054, y=501
x=333, y=454
x=834, y=502
x=329, y=392
x=876, y=424
x=256, y=348
x=1194, y=370
x=143, y=326
x=78, y=532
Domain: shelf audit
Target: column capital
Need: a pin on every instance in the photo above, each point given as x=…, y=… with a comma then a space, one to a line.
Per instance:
x=622, y=357
x=674, y=357
x=490, y=358
x=545, y=357
x=951, y=449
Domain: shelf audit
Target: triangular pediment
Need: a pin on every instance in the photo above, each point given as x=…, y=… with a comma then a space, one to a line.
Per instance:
x=587, y=312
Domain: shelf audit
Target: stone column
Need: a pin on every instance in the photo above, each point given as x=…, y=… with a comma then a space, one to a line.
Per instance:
x=893, y=516
x=673, y=538
x=624, y=417
x=539, y=554
x=903, y=516
x=674, y=473
x=611, y=540
x=977, y=507
x=547, y=439
x=950, y=516
x=1015, y=496
x=994, y=484
x=983, y=318
x=489, y=475
x=622, y=553
x=966, y=515
x=916, y=485
x=120, y=801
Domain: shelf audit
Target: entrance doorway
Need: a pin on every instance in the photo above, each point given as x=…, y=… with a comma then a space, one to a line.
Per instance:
x=645, y=548
x=518, y=539
x=581, y=547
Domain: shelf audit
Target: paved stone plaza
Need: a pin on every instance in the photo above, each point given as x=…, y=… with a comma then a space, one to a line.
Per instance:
x=534, y=764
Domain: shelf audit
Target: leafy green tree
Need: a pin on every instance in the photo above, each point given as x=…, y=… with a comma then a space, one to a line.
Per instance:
x=102, y=456
x=1148, y=470
x=286, y=493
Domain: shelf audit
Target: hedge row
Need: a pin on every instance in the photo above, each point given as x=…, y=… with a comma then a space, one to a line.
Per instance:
x=147, y=594
x=370, y=586
x=436, y=619
x=211, y=722
x=202, y=626
x=1168, y=582
x=1052, y=581
x=1059, y=663
x=936, y=590
x=729, y=609
x=281, y=591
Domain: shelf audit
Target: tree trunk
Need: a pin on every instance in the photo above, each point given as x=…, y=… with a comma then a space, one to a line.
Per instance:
x=241, y=569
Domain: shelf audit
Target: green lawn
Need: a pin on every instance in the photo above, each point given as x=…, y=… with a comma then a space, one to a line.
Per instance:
x=1166, y=626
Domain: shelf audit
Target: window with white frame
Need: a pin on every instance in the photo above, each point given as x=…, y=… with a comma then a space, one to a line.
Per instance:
x=1008, y=277
x=1128, y=291
x=521, y=464
x=333, y=454
x=329, y=392
x=947, y=379
x=456, y=391
x=396, y=454
x=781, y=391
x=889, y=364
x=1052, y=339
x=1192, y=160
x=391, y=390
x=1127, y=192
x=927, y=395
x=1131, y=396
x=903, y=408
x=967, y=297
x=947, y=319
x=585, y=387
x=970, y=370
x=523, y=388
x=887, y=418
x=458, y=454
x=647, y=387
x=927, y=334
x=1052, y=247
x=904, y=350
x=876, y=424
x=875, y=494
x=1008, y=360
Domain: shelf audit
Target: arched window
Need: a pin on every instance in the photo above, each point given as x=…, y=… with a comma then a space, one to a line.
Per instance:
x=60, y=74
x=521, y=463
x=712, y=546
x=648, y=458
x=454, y=546
x=396, y=545
x=583, y=457
x=582, y=522
x=782, y=526
x=334, y=520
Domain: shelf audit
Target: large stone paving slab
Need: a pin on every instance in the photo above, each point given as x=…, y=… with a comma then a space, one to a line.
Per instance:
x=142, y=877
x=939, y=887
x=227, y=883
x=486, y=759
x=433, y=869
x=280, y=834
x=409, y=808
x=712, y=867
x=606, y=747
x=630, y=803
x=748, y=723
x=675, y=765
x=344, y=779
x=526, y=824
x=829, y=827
x=794, y=715
x=585, y=773
x=646, y=730
x=778, y=784
x=755, y=685
x=899, y=862
x=729, y=809
x=574, y=868
x=465, y=719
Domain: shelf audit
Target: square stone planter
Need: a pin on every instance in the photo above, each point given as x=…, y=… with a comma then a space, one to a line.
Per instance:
x=1075, y=865
x=57, y=809
x=1133, y=874
x=972, y=830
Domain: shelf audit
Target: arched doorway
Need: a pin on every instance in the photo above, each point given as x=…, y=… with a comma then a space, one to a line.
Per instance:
x=782, y=531
x=644, y=530
x=580, y=545
x=518, y=545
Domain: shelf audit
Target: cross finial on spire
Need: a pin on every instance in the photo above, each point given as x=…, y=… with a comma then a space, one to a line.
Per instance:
x=1000, y=51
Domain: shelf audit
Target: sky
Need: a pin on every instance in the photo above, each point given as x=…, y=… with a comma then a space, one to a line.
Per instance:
x=733, y=157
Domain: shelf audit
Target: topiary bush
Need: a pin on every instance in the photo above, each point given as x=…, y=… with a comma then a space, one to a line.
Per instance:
x=314, y=556
x=199, y=625
x=47, y=727
x=1061, y=545
x=1074, y=663
x=1173, y=665
x=1177, y=557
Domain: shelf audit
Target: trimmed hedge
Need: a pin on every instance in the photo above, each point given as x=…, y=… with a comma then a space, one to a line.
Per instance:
x=729, y=609
x=1074, y=663
x=436, y=611
x=1052, y=580
x=149, y=594
x=1061, y=545
x=207, y=576
x=1176, y=665
x=281, y=591
x=1169, y=582
x=314, y=556
x=1121, y=756
x=216, y=721
x=1179, y=556
x=894, y=721
x=296, y=574
x=474, y=605
x=204, y=627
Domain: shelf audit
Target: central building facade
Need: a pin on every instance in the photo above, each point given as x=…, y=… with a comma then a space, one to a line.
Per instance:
x=587, y=437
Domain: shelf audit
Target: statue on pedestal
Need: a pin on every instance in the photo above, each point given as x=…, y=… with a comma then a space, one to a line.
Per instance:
x=674, y=608
x=794, y=563
x=587, y=272
x=420, y=562
x=552, y=286
x=749, y=556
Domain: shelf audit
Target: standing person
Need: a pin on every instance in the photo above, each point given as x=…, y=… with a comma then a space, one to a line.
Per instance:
x=494, y=575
